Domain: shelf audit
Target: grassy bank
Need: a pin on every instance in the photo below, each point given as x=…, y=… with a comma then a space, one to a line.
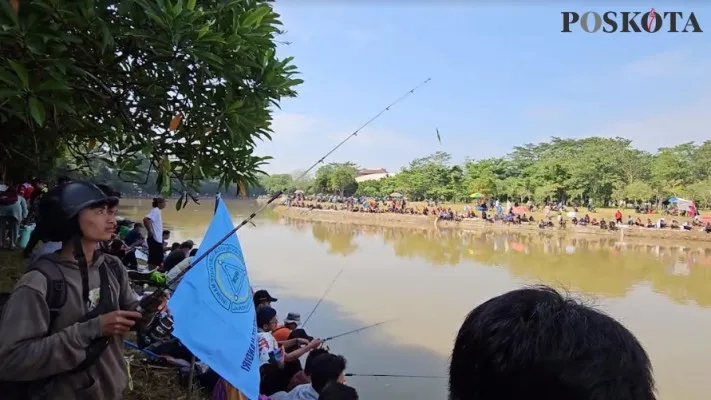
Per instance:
x=430, y=222
x=149, y=383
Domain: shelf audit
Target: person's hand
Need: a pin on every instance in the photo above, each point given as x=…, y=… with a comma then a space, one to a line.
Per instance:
x=163, y=305
x=118, y=322
x=314, y=344
x=301, y=341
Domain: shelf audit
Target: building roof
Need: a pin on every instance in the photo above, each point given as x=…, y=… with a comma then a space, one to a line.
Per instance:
x=369, y=171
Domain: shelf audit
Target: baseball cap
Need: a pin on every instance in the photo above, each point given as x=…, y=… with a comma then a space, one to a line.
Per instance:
x=263, y=295
x=300, y=334
x=292, y=318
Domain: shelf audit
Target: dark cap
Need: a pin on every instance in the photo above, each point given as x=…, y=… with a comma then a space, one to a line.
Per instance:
x=263, y=295
x=265, y=315
x=299, y=333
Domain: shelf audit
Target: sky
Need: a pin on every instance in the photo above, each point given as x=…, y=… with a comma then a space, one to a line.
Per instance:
x=501, y=76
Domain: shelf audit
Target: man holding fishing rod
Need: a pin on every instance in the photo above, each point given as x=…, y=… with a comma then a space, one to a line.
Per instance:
x=60, y=332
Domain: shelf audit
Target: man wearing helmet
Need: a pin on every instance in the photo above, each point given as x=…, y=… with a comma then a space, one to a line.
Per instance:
x=60, y=332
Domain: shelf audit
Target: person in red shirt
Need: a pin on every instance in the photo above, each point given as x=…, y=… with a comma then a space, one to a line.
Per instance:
x=618, y=217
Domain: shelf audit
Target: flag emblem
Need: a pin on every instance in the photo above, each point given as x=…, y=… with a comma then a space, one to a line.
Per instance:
x=227, y=278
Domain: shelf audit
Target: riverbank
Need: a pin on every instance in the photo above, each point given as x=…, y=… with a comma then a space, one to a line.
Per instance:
x=149, y=383
x=429, y=222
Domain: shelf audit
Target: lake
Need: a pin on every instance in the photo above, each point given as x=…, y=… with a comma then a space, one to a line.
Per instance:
x=429, y=280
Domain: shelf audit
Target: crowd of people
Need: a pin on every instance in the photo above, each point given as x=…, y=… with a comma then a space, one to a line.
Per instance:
x=62, y=327
x=493, y=211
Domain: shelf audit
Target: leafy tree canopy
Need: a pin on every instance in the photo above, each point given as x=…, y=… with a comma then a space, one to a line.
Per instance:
x=188, y=87
x=576, y=170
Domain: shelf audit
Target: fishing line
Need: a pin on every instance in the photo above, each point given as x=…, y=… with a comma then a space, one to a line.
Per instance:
x=396, y=376
x=355, y=330
x=158, y=292
x=328, y=289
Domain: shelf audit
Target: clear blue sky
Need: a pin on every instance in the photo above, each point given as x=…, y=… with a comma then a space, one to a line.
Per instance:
x=501, y=76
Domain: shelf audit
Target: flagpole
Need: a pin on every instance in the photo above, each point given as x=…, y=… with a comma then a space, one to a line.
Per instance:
x=191, y=374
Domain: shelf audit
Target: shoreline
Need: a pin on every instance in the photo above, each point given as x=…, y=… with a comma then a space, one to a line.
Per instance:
x=429, y=222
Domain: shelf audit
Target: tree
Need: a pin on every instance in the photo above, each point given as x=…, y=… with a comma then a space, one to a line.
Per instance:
x=571, y=170
x=187, y=87
x=639, y=191
x=274, y=183
x=342, y=177
x=336, y=178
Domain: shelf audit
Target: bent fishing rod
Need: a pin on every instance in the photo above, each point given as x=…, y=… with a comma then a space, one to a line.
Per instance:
x=150, y=300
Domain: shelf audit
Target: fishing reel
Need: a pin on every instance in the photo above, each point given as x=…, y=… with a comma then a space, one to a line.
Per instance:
x=162, y=328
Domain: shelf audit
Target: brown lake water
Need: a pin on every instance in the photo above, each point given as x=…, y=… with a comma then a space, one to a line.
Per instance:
x=429, y=280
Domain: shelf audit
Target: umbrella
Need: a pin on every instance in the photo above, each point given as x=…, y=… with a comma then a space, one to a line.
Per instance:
x=476, y=195
x=673, y=199
x=395, y=194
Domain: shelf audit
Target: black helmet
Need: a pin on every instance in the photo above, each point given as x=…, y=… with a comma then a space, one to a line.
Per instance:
x=60, y=206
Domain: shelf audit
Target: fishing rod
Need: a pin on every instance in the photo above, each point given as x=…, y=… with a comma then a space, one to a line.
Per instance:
x=151, y=301
x=355, y=331
x=328, y=289
x=396, y=376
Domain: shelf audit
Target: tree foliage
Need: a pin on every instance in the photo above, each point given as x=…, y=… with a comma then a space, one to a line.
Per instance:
x=187, y=86
x=594, y=169
x=336, y=178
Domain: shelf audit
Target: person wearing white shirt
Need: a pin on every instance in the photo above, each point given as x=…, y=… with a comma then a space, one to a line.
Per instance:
x=154, y=225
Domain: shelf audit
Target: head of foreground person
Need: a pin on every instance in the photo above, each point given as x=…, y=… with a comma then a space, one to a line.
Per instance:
x=538, y=344
x=327, y=368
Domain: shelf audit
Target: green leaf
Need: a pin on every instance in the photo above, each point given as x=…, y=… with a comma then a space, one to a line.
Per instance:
x=178, y=8
x=52, y=84
x=203, y=31
x=21, y=72
x=8, y=93
x=165, y=189
x=37, y=111
x=107, y=40
x=191, y=4
x=9, y=78
x=179, y=203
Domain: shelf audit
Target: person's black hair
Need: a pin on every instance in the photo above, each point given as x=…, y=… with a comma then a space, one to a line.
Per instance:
x=186, y=245
x=270, y=379
x=308, y=365
x=265, y=316
x=166, y=232
x=338, y=391
x=174, y=246
x=137, y=225
x=536, y=343
x=326, y=368
x=193, y=252
x=63, y=179
x=157, y=200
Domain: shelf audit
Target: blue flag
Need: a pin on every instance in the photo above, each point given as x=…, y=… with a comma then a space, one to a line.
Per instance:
x=214, y=312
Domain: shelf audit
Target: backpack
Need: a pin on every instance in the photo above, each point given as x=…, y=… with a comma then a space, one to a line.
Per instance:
x=8, y=199
x=56, y=297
